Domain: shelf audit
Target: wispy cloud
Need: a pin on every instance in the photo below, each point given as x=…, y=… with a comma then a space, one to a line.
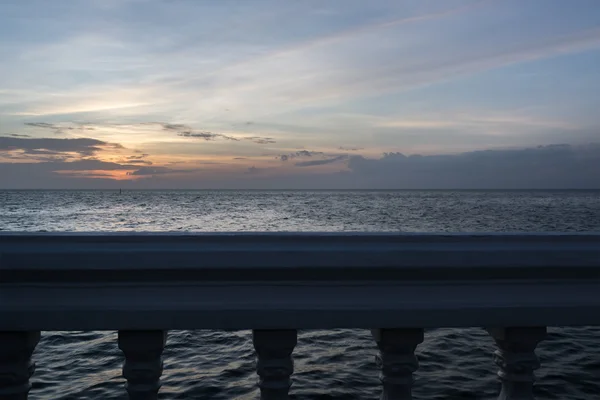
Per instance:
x=260, y=140
x=205, y=135
x=137, y=159
x=142, y=162
x=350, y=148
x=321, y=162
x=480, y=121
x=300, y=153
x=59, y=128
x=189, y=132
x=356, y=62
x=151, y=171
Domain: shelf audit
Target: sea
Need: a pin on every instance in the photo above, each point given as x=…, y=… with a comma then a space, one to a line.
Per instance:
x=329, y=364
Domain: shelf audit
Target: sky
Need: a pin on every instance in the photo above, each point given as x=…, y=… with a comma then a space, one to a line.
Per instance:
x=299, y=94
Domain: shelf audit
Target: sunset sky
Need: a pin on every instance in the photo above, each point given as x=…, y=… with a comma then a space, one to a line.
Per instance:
x=278, y=94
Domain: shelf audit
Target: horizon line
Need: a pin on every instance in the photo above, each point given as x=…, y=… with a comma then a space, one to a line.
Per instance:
x=300, y=190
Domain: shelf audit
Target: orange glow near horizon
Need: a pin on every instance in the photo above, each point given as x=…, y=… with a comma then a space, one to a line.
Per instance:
x=120, y=175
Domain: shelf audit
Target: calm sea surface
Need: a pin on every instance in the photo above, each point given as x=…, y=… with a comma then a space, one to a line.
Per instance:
x=339, y=364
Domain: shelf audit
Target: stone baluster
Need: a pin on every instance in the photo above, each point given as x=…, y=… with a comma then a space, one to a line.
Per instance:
x=16, y=366
x=274, y=365
x=397, y=361
x=517, y=360
x=143, y=362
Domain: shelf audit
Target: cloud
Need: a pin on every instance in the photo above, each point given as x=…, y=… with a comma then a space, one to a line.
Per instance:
x=212, y=136
x=384, y=60
x=87, y=173
x=188, y=131
x=306, y=153
x=144, y=171
x=287, y=82
x=259, y=140
x=553, y=166
x=350, y=148
x=543, y=167
x=37, y=173
x=143, y=162
x=80, y=146
x=358, y=52
x=58, y=128
x=174, y=127
x=17, y=135
x=136, y=160
x=144, y=155
x=41, y=125
x=321, y=162
x=65, y=173
x=300, y=153
x=253, y=170
x=205, y=135
x=84, y=165
x=151, y=171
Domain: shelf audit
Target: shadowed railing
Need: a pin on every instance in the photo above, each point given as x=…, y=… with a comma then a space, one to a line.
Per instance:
x=394, y=284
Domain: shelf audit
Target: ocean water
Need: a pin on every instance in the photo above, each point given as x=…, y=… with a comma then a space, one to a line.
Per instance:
x=334, y=364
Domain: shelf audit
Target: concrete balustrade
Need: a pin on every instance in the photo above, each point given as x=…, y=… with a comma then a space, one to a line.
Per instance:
x=142, y=285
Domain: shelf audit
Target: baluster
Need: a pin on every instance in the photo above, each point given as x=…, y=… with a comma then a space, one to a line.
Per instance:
x=16, y=366
x=397, y=361
x=274, y=365
x=517, y=360
x=143, y=362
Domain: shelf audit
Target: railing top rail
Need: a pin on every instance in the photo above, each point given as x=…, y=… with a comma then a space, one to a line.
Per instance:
x=301, y=251
x=308, y=280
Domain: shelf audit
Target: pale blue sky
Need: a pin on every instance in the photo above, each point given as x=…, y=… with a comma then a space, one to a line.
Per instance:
x=266, y=78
